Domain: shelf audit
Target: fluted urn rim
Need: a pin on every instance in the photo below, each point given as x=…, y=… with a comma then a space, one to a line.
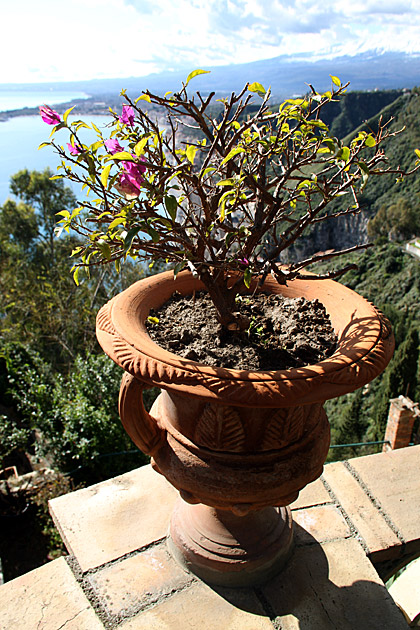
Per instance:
x=365, y=346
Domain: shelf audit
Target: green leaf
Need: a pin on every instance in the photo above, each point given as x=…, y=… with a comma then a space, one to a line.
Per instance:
x=335, y=80
x=190, y=153
x=67, y=112
x=258, y=88
x=232, y=154
x=155, y=236
x=131, y=234
x=104, y=248
x=143, y=97
x=247, y=277
x=195, y=73
x=105, y=175
x=171, y=206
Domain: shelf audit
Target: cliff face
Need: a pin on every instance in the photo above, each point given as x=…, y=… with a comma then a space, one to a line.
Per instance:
x=403, y=112
x=336, y=234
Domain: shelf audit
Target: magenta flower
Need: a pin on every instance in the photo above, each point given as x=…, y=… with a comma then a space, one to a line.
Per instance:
x=127, y=116
x=49, y=116
x=74, y=150
x=243, y=261
x=131, y=178
x=113, y=146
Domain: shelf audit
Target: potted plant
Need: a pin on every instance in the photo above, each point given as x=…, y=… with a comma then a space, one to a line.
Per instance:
x=221, y=192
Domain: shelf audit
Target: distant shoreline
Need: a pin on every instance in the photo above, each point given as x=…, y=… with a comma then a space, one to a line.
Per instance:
x=93, y=106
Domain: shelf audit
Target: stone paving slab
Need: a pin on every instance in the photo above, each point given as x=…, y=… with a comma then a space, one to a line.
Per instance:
x=332, y=587
x=110, y=519
x=312, y=494
x=137, y=581
x=48, y=598
x=320, y=523
x=201, y=607
x=393, y=479
x=369, y=522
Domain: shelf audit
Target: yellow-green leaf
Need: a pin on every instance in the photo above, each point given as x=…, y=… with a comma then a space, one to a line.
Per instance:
x=105, y=175
x=143, y=97
x=153, y=320
x=370, y=141
x=190, y=153
x=335, y=80
x=43, y=144
x=258, y=88
x=232, y=154
x=122, y=155
x=67, y=112
x=417, y=152
x=195, y=73
x=139, y=148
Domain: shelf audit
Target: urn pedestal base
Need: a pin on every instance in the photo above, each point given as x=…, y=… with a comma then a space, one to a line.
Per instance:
x=225, y=549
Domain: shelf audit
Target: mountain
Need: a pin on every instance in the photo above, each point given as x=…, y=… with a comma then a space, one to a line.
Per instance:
x=287, y=75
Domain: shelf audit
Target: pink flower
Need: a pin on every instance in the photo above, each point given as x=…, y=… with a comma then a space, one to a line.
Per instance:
x=131, y=178
x=113, y=146
x=243, y=261
x=74, y=150
x=49, y=116
x=127, y=116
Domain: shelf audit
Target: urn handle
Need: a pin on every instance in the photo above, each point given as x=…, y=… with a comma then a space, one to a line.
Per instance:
x=144, y=430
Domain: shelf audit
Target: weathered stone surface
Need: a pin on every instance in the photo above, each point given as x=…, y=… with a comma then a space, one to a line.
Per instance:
x=138, y=580
x=406, y=590
x=200, y=607
x=321, y=522
x=332, y=587
x=369, y=522
x=393, y=479
x=312, y=494
x=48, y=598
x=105, y=521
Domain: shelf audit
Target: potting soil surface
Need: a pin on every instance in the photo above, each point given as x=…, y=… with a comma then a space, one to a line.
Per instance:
x=281, y=333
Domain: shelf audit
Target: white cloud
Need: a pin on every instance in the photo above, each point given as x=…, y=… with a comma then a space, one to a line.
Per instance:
x=54, y=40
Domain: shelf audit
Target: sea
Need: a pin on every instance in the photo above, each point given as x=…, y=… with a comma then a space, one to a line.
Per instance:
x=21, y=136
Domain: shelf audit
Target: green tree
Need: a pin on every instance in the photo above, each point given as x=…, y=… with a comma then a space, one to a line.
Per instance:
x=400, y=378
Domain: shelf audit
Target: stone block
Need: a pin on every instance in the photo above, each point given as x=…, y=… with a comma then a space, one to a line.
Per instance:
x=319, y=523
x=202, y=607
x=312, y=494
x=367, y=519
x=47, y=598
x=110, y=519
x=393, y=480
x=331, y=586
x=137, y=581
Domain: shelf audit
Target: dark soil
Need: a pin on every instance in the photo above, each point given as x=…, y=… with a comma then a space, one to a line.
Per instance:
x=283, y=332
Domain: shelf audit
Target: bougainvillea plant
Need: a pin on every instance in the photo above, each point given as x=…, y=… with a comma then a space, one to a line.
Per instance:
x=221, y=187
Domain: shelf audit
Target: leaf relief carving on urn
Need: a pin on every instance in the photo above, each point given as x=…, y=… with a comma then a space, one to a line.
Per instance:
x=285, y=427
x=220, y=428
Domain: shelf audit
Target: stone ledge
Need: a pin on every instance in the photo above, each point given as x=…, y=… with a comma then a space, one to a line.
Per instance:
x=119, y=515
x=116, y=531
x=47, y=598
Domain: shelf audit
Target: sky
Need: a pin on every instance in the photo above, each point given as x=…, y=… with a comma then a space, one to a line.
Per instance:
x=58, y=40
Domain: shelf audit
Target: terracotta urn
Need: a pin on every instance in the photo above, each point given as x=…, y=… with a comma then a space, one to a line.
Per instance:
x=238, y=445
